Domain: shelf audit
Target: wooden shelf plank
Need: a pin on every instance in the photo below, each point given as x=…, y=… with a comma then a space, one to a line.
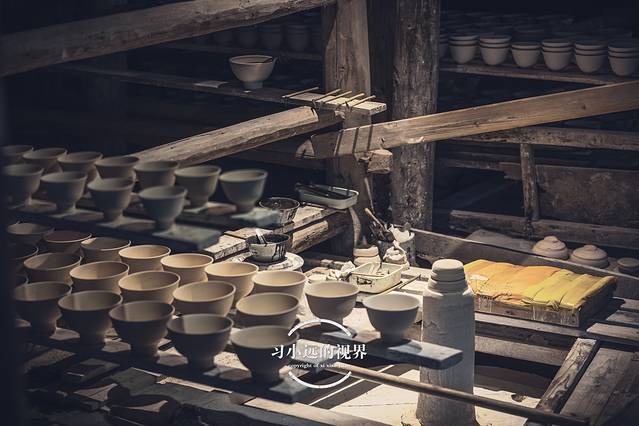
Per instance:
x=236, y=50
x=571, y=74
x=180, y=237
x=266, y=94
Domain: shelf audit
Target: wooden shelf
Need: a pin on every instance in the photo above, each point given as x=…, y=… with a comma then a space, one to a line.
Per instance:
x=539, y=72
x=236, y=50
x=266, y=94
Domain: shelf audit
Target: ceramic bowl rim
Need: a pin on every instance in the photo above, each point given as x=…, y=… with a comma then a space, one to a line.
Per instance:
x=244, y=60
x=73, y=273
x=170, y=257
x=145, y=302
x=367, y=301
x=176, y=281
x=31, y=259
x=42, y=229
x=69, y=158
x=16, y=291
x=228, y=177
x=262, y=203
x=15, y=149
x=84, y=236
x=156, y=166
x=294, y=337
x=202, y=300
x=212, y=171
x=83, y=244
x=89, y=293
x=127, y=256
x=271, y=285
x=243, y=274
x=34, y=154
x=126, y=184
x=32, y=170
x=66, y=177
x=227, y=328
x=173, y=192
x=33, y=250
x=115, y=161
x=242, y=301
x=315, y=285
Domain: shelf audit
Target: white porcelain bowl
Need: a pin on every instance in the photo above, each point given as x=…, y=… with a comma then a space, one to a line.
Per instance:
x=252, y=70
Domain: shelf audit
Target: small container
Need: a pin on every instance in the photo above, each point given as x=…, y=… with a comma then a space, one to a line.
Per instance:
x=590, y=255
x=286, y=208
x=369, y=282
x=310, y=197
x=273, y=251
x=551, y=247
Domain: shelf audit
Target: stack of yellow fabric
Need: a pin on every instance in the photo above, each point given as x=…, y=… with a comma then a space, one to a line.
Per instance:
x=533, y=285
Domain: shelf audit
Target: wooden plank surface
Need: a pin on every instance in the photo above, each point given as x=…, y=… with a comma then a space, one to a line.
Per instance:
x=572, y=74
x=241, y=137
x=481, y=119
x=235, y=89
x=627, y=335
x=88, y=38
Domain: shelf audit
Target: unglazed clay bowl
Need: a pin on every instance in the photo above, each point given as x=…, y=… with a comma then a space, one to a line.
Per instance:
x=252, y=70
x=87, y=313
x=81, y=162
x=493, y=56
x=164, y=204
x=149, y=285
x=98, y=249
x=391, y=314
x=12, y=154
x=200, y=182
x=199, y=337
x=64, y=189
x=273, y=249
x=111, y=196
x=38, y=303
x=117, y=167
x=142, y=325
x=204, y=297
x=462, y=53
x=289, y=282
x=255, y=346
x=156, y=173
x=18, y=253
x=65, y=241
x=189, y=266
x=525, y=58
x=99, y=276
x=622, y=66
x=244, y=187
x=556, y=61
x=297, y=37
x=590, y=63
x=47, y=158
x=332, y=300
x=285, y=207
x=21, y=182
x=28, y=233
x=144, y=258
x=51, y=267
x=267, y=309
x=238, y=274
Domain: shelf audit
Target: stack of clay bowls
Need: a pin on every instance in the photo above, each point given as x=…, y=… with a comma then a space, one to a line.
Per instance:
x=551, y=247
x=463, y=47
x=590, y=255
x=392, y=314
x=590, y=54
x=367, y=254
x=12, y=154
x=494, y=48
x=525, y=53
x=624, y=56
x=247, y=37
x=557, y=53
x=297, y=36
x=252, y=70
x=271, y=35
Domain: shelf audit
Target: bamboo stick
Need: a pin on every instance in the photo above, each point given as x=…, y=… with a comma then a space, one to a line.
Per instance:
x=480, y=401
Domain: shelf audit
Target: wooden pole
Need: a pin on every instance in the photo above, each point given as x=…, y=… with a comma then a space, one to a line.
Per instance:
x=529, y=182
x=468, y=398
x=347, y=67
x=415, y=80
x=31, y=49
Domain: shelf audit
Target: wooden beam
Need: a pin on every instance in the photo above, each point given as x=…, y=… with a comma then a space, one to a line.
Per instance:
x=561, y=136
x=529, y=182
x=415, y=80
x=585, y=233
x=243, y=136
x=31, y=49
x=224, y=88
x=486, y=118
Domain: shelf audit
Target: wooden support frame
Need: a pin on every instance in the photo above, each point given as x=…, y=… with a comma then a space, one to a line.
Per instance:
x=529, y=182
x=31, y=49
x=487, y=118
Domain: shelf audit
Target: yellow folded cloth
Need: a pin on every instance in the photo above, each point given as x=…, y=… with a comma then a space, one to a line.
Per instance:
x=551, y=294
x=552, y=281
x=484, y=280
x=514, y=286
x=476, y=265
x=590, y=285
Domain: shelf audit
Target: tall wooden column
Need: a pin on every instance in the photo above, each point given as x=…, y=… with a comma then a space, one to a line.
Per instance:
x=415, y=80
x=347, y=67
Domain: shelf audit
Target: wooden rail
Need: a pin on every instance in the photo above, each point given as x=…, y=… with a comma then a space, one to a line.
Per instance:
x=31, y=49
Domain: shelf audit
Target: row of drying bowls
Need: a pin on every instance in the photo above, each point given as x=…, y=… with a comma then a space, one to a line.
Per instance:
x=28, y=169
x=138, y=289
x=299, y=37
x=589, y=53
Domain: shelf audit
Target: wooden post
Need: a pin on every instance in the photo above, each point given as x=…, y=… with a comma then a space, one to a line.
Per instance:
x=529, y=182
x=415, y=80
x=347, y=67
